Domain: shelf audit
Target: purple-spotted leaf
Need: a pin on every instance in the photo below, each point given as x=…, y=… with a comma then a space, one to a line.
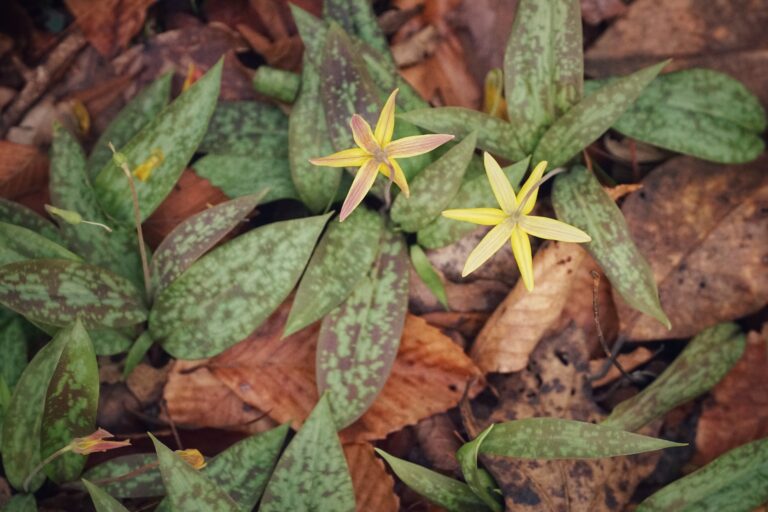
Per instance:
x=312, y=30
x=20, y=244
x=102, y=501
x=20, y=215
x=175, y=134
x=312, y=474
x=13, y=347
x=247, y=128
x=129, y=476
x=195, y=236
x=239, y=176
x=358, y=341
x=56, y=292
x=343, y=257
x=358, y=19
x=230, y=291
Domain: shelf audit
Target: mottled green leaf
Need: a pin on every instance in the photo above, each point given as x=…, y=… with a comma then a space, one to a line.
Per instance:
x=481, y=483
x=134, y=116
x=434, y=188
x=312, y=31
x=278, y=84
x=586, y=121
x=358, y=341
x=579, y=200
x=20, y=244
x=428, y=274
x=5, y=400
x=129, y=476
x=706, y=359
x=554, y=438
x=176, y=133
x=229, y=292
x=108, y=342
x=102, y=501
x=137, y=352
x=734, y=482
x=452, y=495
x=343, y=256
x=239, y=176
x=20, y=215
x=21, y=503
x=387, y=79
x=357, y=18
x=312, y=474
x=188, y=489
x=56, y=292
x=246, y=128
x=475, y=192
x=543, y=66
x=493, y=134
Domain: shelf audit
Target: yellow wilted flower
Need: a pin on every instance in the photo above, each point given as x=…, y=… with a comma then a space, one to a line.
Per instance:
x=144, y=170
x=192, y=457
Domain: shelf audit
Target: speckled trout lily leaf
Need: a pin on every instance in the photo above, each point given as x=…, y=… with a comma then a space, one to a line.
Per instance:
x=70, y=404
x=108, y=342
x=706, y=359
x=734, y=482
x=312, y=474
x=246, y=128
x=188, y=489
x=145, y=483
x=356, y=17
x=452, y=495
x=358, y=341
x=102, y=501
x=543, y=66
x=697, y=112
x=478, y=479
x=428, y=274
x=554, y=438
x=21, y=503
x=239, y=176
x=136, y=353
x=13, y=347
x=579, y=200
x=343, y=257
x=195, y=236
x=475, y=192
x=20, y=215
x=433, y=189
x=313, y=32
x=56, y=292
x=586, y=121
x=175, y=134
x=229, y=292
x=134, y=116
x=20, y=244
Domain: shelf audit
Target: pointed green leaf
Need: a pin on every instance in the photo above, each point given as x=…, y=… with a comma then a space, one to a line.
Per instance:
x=229, y=292
x=102, y=501
x=706, y=359
x=477, y=478
x=586, y=121
x=428, y=274
x=20, y=215
x=579, y=200
x=357, y=18
x=543, y=66
x=108, y=342
x=313, y=32
x=734, y=482
x=129, y=476
x=246, y=128
x=188, y=489
x=312, y=474
x=21, y=503
x=5, y=400
x=175, y=132
x=358, y=341
x=21, y=244
x=343, y=256
x=239, y=176
x=137, y=352
x=452, y=495
x=387, y=79
x=56, y=292
x=13, y=347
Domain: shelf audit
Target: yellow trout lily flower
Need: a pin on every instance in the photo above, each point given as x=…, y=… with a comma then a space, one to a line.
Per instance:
x=513, y=222
x=95, y=443
x=376, y=153
x=193, y=457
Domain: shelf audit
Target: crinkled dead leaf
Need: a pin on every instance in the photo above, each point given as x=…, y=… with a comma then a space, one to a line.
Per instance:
x=374, y=486
x=109, y=25
x=23, y=169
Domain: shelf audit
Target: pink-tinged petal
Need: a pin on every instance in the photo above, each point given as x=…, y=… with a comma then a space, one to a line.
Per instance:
x=361, y=132
x=502, y=188
x=482, y=216
x=95, y=443
x=360, y=186
x=354, y=157
x=416, y=145
x=521, y=248
x=399, y=176
x=491, y=242
x=530, y=183
x=385, y=126
x=551, y=229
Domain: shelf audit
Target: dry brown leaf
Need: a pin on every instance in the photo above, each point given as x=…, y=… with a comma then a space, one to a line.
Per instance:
x=517, y=325
x=702, y=226
x=146, y=383
x=373, y=484
x=438, y=440
x=595, y=12
x=478, y=296
x=629, y=362
x=23, y=169
x=737, y=410
x=468, y=324
x=109, y=24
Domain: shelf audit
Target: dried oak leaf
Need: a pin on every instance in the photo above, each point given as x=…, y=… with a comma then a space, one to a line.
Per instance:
x=109, y=24
x=702, y=228
x=373, y=484
x=23, y=169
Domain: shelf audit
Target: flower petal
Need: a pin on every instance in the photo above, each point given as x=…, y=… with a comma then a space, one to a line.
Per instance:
x=416, y=145
x=399, y=177
x=488, y=246
x=385, y=126
x=482, y=216
x=521, y=248
x=552, y=229
x=360, y=186
x=354, y=157
x=500, y=185
x=361, y=132
x=531, y=182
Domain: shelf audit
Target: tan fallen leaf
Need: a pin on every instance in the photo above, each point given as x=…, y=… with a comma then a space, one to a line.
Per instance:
x=373, y=484
x=109, y=25
x=438, y=440
x=595, y=12
x=467, y=323
x=628, y=361
x=23, y=169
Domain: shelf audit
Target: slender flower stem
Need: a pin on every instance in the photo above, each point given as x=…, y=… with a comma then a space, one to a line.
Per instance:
x=107, y=228
x=551, y=174
x=55, y=455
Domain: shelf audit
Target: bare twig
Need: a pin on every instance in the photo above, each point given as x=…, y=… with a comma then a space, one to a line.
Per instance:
x=596, y=312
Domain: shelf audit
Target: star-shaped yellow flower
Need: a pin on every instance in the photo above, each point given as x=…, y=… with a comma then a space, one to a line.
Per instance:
x=376, y=152
x=513, y=221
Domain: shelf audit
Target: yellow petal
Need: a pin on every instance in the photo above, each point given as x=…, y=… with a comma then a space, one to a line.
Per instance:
x=521, y=248
x=361, y=132
x=354, y=157
x=399, y=177
x=500, y=185
x=531, y=182
x=360, y=186
x=416, y=145
x=385, y=126
x=492, y=242
x=552, y=229
x=482, y=216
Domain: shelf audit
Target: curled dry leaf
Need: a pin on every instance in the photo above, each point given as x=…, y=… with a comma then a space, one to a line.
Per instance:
x=23, y=169
x=373, y=484
x=109, y=24
x=438, y=440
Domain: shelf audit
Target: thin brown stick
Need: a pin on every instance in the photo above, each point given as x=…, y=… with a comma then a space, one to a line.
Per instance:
x=596, y=312
x=176, y=436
